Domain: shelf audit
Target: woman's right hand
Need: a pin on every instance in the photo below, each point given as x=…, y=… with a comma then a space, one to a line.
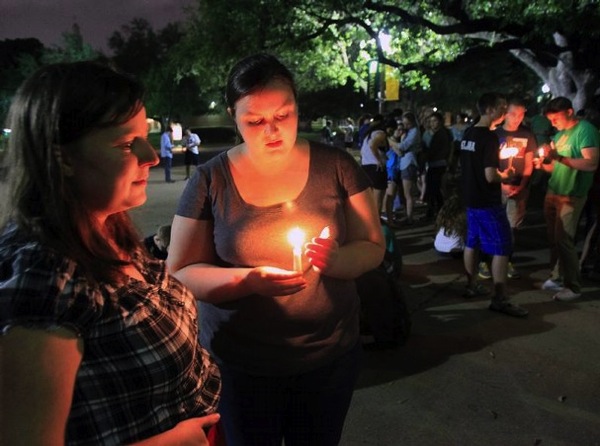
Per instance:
x=271, y=281
x=193, y=431
x=190, y=432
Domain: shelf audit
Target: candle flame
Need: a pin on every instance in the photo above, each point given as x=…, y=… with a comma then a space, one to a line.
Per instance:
x=541, y=152
x=508, y=152
x=325, y=233
x=296, y=238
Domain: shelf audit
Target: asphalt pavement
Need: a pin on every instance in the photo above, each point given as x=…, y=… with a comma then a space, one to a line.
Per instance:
x=467, y=376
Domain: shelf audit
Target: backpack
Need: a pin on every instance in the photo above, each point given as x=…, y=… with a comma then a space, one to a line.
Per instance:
x=384, y=313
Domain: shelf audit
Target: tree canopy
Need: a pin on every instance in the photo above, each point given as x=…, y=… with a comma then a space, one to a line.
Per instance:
x=328, y=42
x=443, y=51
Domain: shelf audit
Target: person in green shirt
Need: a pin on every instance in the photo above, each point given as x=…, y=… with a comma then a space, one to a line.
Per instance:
x=572, y=160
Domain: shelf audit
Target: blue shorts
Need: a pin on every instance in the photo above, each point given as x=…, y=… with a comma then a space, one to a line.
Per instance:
x=410, y=173
x=488, y=229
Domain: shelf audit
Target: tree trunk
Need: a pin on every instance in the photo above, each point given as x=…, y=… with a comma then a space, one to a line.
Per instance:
x=563, y=79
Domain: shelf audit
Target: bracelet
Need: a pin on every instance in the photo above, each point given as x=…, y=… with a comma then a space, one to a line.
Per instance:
x=560, y=159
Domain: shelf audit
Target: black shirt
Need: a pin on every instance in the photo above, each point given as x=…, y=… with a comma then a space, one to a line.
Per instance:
x=478, y=150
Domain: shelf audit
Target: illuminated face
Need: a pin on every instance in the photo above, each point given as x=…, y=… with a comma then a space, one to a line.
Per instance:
x=268, y=119
x=514, y=117
x=110, y=167
x=561, y=120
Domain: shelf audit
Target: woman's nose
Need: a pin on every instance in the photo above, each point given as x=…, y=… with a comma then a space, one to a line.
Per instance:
x=270, y=128
x=146, y=153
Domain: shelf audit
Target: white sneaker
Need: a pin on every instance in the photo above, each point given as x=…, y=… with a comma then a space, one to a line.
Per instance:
x=566, y=295
x=554, y=285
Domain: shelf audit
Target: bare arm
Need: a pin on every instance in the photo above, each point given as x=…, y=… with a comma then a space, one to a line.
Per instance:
x=379, y=140
x=493, y=175
x=192, y=260
x=37, y=381
x=365, y=244
x=589, y=162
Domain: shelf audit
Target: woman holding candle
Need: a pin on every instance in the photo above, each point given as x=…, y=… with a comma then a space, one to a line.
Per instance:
x=287, y=341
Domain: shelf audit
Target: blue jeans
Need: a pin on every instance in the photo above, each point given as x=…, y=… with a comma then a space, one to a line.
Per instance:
x=167, y=162
x=304, y=409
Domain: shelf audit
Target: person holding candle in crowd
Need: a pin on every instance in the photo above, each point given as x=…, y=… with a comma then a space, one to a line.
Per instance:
x=488, y=229
x=513, y=135
x=287, y=342
x=573, y=160
x=99, y=344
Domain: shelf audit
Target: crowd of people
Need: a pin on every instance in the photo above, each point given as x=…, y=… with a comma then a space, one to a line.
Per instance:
x=494, y=159
x=238, y=323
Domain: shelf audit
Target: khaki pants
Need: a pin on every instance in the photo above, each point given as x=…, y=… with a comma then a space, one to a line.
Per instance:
x=562, y=216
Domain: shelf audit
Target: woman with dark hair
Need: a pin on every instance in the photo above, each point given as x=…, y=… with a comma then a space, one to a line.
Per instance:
x=98, y=342
x=281, y=319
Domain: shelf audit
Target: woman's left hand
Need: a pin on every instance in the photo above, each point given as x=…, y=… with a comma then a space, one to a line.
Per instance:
x=322, y=252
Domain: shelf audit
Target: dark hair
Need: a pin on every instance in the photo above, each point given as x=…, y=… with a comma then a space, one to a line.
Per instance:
x=410, y=117
x=488, y=100
x=517, y=100
x=391, y=124
x=254, y=73
x=376, y=124
x=56, y=106
x=557, y=105
x=452, y=215
x=438, y=116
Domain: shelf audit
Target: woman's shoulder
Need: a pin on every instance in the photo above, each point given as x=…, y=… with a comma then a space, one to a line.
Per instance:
x=41, y=287
x=323, y=152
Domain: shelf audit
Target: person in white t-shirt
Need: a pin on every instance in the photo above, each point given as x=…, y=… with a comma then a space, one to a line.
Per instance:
x=192, y=150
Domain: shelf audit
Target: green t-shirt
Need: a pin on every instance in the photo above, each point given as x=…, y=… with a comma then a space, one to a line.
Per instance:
x=566, y=180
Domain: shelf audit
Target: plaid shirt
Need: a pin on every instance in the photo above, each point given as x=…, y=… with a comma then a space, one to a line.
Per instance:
x=143, y=369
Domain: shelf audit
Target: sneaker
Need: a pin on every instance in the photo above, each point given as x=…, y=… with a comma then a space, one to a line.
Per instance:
x=476, y=291
x=484, y=271
x=504, y=306
x=512, y=272
x=554, y=285
x=566, y=295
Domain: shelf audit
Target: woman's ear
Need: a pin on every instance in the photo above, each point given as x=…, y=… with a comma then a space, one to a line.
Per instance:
x=64, y=161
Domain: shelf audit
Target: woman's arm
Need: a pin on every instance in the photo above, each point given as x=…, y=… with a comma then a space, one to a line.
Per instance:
x=192, y=260
x=379, y=139
x=38, y=369
x=365, y=245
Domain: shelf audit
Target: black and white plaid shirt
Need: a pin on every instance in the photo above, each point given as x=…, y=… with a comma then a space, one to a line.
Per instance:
x=143, y=369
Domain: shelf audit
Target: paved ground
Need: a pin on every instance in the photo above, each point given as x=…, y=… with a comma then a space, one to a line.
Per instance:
x=468, y=376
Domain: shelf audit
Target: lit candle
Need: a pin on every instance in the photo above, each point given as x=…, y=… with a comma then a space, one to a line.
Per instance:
x=296, y=239
x=541, y=152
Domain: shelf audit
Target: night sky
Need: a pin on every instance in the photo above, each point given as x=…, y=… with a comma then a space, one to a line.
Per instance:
x=46, y=20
